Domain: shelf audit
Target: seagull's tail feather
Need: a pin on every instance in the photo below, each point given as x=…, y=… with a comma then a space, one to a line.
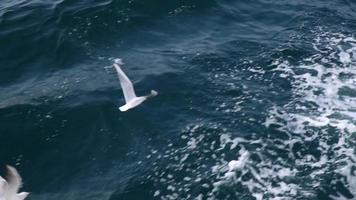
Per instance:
x=22, y=195
x=124, y=108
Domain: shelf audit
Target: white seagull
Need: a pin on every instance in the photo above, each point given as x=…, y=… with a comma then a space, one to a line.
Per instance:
x=130, y=97
x=9, y=188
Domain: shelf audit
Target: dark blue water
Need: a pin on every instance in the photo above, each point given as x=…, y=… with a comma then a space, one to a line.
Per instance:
x=257, y=99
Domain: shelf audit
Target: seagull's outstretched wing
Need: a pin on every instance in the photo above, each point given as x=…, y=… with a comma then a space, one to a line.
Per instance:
x=126, y=84
x=13, y=179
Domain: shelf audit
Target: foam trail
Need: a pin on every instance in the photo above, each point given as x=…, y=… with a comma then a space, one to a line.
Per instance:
x=312, y=141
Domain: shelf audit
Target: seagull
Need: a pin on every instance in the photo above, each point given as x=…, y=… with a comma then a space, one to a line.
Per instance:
x=9, y=188
x=129, y=93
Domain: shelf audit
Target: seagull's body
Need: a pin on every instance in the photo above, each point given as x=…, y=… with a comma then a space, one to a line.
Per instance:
x=129, y=93
x=9, y=188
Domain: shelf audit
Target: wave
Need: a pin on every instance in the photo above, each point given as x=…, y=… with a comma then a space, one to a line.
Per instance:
x=61, y=34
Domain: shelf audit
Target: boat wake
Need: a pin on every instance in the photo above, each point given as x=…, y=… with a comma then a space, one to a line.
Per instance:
x=305, y=152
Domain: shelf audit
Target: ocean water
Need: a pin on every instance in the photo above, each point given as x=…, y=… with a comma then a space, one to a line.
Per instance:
x=257, y=99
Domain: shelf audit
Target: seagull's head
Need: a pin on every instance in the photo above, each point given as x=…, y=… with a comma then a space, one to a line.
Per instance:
x=118, y=61
x=153, y=93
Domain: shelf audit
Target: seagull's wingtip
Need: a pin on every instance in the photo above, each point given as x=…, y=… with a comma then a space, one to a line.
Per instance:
x=11, y=170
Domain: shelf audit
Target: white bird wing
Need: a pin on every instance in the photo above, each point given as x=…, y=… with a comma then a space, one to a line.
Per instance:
x=126, y=84
x=13, y=179
x=3, y=185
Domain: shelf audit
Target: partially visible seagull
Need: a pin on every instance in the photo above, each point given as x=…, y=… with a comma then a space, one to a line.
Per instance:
x=130, y=97
x=10, y=187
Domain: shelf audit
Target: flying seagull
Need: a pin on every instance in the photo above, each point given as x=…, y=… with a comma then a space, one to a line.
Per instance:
x=129, y=93
x=10, y=186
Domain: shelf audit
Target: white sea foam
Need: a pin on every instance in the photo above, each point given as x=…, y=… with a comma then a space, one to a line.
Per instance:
x=329, y=86
x=316, y=124
x=324, y=101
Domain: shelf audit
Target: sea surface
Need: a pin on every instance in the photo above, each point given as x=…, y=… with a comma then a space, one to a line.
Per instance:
x=257, y=99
